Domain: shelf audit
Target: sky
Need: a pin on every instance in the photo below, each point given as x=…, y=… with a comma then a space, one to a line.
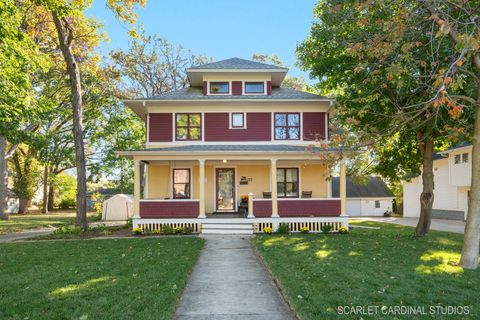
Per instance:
x=221, y=29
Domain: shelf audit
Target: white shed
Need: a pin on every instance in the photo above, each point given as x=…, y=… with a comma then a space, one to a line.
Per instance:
x=118, y=207
x=371, y=199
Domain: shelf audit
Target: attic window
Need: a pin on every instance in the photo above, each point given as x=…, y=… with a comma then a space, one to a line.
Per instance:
x=219, y=88
x=254, y=87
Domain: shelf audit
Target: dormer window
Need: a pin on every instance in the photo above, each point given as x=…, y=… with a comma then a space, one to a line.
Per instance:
x=254, y=87
x=219, y=88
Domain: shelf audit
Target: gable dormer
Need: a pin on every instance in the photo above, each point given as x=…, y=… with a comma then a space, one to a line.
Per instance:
x=236, y=77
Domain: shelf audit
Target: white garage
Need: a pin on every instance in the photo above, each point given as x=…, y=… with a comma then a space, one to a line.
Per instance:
x=371, y=199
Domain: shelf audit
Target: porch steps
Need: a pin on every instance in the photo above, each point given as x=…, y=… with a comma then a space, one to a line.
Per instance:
x=227, y=228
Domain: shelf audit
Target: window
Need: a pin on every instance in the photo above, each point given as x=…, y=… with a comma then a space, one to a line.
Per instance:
x=219, y=87
x=377, y=204
x=465, y=158
x=188, y=126
x=287, y=182
x=181, y=183
x=457, y=159
x=238, y=120
x=287, y=126
x=254, y=87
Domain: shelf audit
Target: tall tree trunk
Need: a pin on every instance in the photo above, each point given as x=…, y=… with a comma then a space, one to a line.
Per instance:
x=51, y=195
x=426, y=198
x=65, y=37
x=45, y=190
x=3, y=179
x=23, y=205
x=469, y=259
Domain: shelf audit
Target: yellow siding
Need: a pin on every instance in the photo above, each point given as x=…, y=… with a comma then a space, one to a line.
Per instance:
x=236, y=77
x=158, y=182
x=260, y=175
x=313, y=178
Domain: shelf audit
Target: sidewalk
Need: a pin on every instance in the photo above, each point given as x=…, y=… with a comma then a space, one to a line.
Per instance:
x=229, y=282
x=454, y=226
x=33, y=233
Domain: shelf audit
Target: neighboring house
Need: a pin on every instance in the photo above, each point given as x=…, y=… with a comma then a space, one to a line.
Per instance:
x=371, y=199
x=452, y=175
x=12, y=202
x=235, y=131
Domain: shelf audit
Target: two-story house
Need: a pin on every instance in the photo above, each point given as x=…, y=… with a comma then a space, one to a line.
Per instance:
x=452, y=171
x=235, y=134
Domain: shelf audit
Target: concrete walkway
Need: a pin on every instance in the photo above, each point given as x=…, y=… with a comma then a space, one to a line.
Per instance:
x=454, y=226
x=229, y=282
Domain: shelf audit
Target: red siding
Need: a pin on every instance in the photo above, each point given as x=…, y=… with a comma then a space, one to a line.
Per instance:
x=204, y=88
x=258, y=128
x=237, y=88
x=169, y=209
x=269, y=87
x=262, y=208
x=313, y=125
x=308, y=208
x=160, y=127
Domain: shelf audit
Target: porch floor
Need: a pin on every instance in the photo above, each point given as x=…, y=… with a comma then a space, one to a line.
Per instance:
x=229, y=282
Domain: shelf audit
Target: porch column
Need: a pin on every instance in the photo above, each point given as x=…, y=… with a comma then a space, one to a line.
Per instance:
x=201, y=189
x=136, y=189
x=273, y=187
x=343, y=188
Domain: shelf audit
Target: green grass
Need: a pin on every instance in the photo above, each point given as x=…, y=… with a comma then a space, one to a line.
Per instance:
x=24, y=222
x=385, y=267
x=95, y=279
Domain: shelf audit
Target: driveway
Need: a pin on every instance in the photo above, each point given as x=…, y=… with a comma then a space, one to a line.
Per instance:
x=229, y=282
x=454, y=226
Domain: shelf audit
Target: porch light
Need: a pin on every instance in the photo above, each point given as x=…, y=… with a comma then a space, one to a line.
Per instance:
x=224, y=160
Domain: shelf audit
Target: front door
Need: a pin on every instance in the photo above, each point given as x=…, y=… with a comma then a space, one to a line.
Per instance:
x=225, y=189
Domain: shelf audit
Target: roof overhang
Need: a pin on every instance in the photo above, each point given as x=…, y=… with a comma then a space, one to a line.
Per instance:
x=195, y=76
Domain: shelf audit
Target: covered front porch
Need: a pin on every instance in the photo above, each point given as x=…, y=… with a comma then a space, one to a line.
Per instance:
x=235, y=191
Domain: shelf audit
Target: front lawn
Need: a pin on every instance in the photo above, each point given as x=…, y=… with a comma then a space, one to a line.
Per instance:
x=22, y=222
x=95, y=279
x=388, y=267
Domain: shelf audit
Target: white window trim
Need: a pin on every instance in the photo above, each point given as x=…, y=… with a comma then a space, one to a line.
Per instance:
x=230, y=125
x=219, y=94
x=172, y=182
x=264, y=93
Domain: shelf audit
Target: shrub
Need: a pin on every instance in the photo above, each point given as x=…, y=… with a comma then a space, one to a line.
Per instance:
x=327, y=228
x=68, y=230
x=283, y=228
x=137, y=231
x=267, y=230
x=167, y=229
x=156, y=231
x=178, y=230
x=304, y=229
x=188, y=230
x=129, y=222
x=342, y=230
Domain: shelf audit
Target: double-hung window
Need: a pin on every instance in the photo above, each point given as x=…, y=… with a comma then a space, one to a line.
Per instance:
x=287, y=126
x=287, y=182
x=181, y=183
x=188, y=126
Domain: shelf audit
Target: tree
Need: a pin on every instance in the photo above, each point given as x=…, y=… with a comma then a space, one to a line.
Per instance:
x=19, y=58
x=296, y=83
x=380, y=62
x=68, y=19
x=153, y=66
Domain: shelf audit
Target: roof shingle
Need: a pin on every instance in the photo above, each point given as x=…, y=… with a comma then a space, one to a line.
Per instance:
x=375, y=187
x=237, y=63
